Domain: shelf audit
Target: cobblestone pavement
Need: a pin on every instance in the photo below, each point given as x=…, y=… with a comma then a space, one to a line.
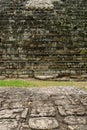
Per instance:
x=56, y=108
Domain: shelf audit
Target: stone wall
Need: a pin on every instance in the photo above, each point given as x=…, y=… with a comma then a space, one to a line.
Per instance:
x=40, y=37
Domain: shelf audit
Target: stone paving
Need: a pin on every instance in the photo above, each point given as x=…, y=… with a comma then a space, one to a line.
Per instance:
x=56, y=108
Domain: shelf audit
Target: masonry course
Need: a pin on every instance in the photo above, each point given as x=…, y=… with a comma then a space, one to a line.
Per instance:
x=43, y=37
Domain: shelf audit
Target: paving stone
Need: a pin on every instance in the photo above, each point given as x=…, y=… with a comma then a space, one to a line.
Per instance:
x=62, y=101
x=8, y=124
x=25, y=113
x=72, y=110
x=11, y=103
x=16, y=105
x=74, y=99
x=84, y=101
x=25, y=126
x=42, y=108
x=62, y=111
x=17, y=113
x=43, y=123
x=74, y=120
x=4, y=114
x=38, y=97
x=77, y=127
x=39, y=4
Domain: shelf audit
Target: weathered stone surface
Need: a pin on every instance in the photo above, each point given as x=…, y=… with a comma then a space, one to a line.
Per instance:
x=62, y=101
x=46, y=4
x=43, y=123
x=25, y=113
x=8, y=124
x=42, y=108
x=74, y=99
x=72, y=110
x=4, y=114
x=77, y=127
x=84, y=100
x=45, y=77
x=43, y=37
x=59, y=108
x=16, y=105
x=74, y=120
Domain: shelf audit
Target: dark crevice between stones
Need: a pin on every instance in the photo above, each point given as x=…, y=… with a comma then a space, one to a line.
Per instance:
x=0, y=39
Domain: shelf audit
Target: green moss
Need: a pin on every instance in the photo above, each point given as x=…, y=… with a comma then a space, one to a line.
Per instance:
x=83, y=52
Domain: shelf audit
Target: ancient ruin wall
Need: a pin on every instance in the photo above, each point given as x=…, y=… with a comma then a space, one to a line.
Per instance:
x=43, y=37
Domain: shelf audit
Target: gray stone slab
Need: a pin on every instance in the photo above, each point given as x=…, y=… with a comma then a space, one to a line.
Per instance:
x=42, y=108
x=77, y=127
x=84, y=100
x=16, y=105
x=74, y=120
x=69, y=109
x=43, y=123
x=6, y=114
x=62, y=101
x=24, y=113
x=8, y=124
x=39, y=4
